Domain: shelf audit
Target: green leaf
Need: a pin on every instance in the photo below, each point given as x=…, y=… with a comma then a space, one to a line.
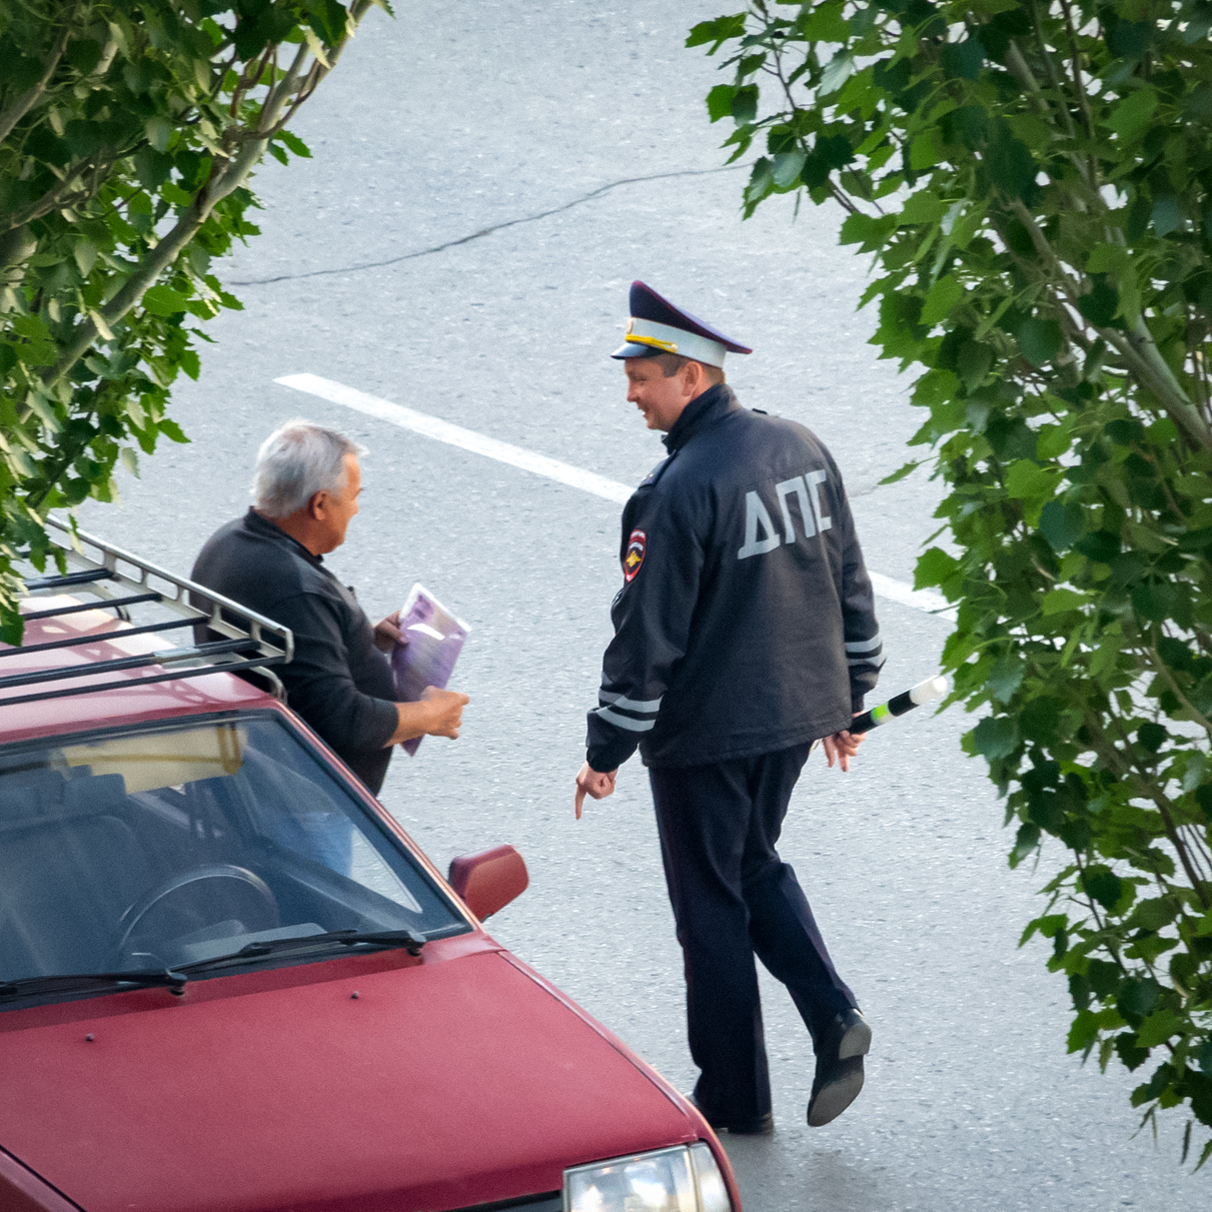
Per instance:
x=1158, y=1028
x=1005, y=677
x=159, y=131
x=719, y=31
x=1154, y=914
x=927, y=149
x=152, y=168
x=901, y=472
x=1039, y=339
x=85, y=254
x=327, y=18
x=1103, y=885
x=934, y=566
x=963, y=60
x=1049, y=925
x=1062, y=524
x=1154, y=600
x=1026, y=843
x=1060, y=601
x=996, y=736
x=1130, y=118
x=164, y=301
x=940, y=299
x=173, y=431
x=1084, y=1030
x=837, y=71
x=829, y=152
x=83, y=54
x=745, y=103
x=923, y=207
x=786, y=167
x=1101, y=546
x=1167, y=215
x=868, y=230
x=1101, y=305
x=973, y=363
x=719, y=101
x=1152, y=736
x=1027, y=481
x=1010, y=165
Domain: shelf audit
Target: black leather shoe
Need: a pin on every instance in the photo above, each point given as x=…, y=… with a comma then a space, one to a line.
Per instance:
x=762, y=1126
x=839, y=1068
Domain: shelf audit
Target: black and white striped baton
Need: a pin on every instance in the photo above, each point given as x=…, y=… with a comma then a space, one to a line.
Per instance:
x=923, y=692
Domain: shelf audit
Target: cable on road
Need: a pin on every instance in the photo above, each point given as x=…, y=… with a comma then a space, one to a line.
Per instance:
x=487, y=231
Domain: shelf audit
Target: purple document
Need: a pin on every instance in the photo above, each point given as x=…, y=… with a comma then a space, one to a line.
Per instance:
x=435, y=639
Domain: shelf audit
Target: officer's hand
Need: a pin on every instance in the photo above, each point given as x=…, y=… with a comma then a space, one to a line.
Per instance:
x=841, y=747
x=446, y=711
x=593, y=783
x=388, y=633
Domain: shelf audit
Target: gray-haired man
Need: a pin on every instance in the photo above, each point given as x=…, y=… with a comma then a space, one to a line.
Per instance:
x=306, y=489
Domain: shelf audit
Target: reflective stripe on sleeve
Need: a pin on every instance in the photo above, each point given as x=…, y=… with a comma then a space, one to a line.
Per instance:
x=624, y=721
x=648, y=707
x=865, y=645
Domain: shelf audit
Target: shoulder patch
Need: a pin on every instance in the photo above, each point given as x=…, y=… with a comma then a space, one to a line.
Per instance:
x=637, y=544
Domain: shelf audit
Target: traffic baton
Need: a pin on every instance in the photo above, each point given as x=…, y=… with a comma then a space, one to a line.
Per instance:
x=923, y=692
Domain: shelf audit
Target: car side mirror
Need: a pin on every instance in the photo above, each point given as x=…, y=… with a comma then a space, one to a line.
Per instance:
x=488, y=881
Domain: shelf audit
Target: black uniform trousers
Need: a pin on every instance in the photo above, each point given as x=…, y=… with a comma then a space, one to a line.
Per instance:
x=733, y=897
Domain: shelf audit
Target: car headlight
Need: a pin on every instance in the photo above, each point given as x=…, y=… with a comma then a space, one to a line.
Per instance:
x=681, y=1179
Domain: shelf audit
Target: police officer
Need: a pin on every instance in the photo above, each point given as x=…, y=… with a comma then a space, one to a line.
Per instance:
x=744, y=631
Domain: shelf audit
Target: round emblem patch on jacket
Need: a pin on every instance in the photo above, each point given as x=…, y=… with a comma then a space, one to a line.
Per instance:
x=636, y=546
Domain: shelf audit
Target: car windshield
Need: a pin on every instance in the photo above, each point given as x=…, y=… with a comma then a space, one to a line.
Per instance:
x=168, y=846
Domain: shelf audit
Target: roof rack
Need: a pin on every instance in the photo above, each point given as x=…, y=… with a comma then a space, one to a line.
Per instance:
x=150, y=600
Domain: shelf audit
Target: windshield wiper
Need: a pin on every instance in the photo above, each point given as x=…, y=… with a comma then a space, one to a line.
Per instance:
x=408, y=939
x=175, y=979
x=85, y=982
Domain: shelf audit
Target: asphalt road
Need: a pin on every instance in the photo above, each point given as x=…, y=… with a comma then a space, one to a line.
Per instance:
x=487, y=179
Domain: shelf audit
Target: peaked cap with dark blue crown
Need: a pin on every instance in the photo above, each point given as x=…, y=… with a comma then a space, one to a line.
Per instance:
x=658, y=326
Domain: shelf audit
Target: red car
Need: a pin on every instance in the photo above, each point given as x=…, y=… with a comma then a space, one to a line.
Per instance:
x=230, y=981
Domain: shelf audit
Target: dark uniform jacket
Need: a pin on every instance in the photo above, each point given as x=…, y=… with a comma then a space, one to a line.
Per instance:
x=745, y=623
x=339, y=682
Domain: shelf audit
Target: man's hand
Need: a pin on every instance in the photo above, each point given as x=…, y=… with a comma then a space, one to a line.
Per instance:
x=388, y=633
x=593, y=783
x=439, y=713
x=446, y=711
x=841, y=747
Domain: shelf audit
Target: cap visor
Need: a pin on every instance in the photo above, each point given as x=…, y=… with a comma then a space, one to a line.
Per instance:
x=631, y=350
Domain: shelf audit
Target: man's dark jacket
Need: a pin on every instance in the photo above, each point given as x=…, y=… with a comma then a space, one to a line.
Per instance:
x=339, y=682
x=745, y=623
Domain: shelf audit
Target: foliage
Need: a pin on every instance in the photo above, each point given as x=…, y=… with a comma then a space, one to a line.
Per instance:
x=128, y=132
x=1034, y=181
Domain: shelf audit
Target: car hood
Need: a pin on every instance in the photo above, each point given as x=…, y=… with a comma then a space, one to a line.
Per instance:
x=441, y=1084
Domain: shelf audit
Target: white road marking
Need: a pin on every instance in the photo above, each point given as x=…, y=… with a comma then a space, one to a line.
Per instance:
x=928, y=600
x=456, y=435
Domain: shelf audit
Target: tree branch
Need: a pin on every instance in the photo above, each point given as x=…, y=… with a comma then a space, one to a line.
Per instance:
x=1137, y=346
x=66, y=192
x=1079, y=87
x=225, y=178
x=1147, y=789
x=24, y=103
